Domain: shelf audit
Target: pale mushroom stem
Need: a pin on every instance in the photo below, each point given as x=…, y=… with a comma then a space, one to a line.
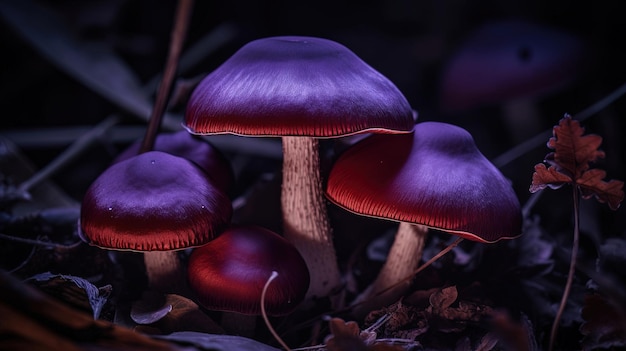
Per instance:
x=305, y=217
x=403, y=258
x=165, y=272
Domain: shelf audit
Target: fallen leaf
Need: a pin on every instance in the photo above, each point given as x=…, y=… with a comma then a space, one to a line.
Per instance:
x=75, y=291
x=444, y=298
x=150, y=308
x=204, y=341
x=164, y=314
x=32, y=320
x=513, y=335
x=347, y=336
x=604, y=325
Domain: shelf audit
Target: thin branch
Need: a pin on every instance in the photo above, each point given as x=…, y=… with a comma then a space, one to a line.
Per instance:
x=539, y=139
x=40, y=243
x=572, y=269
x=413, y=274
x=183, y=12
x=68, y=155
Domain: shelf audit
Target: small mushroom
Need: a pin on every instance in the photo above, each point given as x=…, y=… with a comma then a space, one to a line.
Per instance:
x=433, y=178
x=300, y=89
x=154, y=203
x=229, y=273
x=192, y=148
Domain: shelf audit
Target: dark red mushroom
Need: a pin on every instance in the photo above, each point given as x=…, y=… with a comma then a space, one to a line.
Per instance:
x=154, y=203
x=229, y=273
x=433, y=178
x=183, y=144
x=300, y=89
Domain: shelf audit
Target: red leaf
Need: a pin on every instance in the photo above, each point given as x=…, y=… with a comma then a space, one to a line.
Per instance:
x=570, y=164
x=548, y=177
x=591, y=184
x=573, y=150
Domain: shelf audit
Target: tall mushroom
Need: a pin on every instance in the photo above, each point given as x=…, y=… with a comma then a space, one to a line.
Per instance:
x=300, y=89
x=154, y=203
x=433, y=178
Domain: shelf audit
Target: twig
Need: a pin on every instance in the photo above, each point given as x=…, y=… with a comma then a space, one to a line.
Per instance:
x=183, y=12
x=521, y=149
x=416, y=271
x=68, y=155
x=40, y=243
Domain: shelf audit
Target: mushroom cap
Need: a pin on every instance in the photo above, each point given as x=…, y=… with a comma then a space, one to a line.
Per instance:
x=508, y=59
x=296, y=86
x=435, y=177
x=153, y=202
x=188, y=146
x=229, y=273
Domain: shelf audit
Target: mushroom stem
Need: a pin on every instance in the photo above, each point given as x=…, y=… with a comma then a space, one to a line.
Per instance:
x=402, y=260
x=403, y=257
x=522, y=118
x=305, y=218
x=165, y=272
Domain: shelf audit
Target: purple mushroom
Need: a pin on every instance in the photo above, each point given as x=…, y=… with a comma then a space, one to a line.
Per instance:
x=433, y=178
x=300, y=89
x=154, y=203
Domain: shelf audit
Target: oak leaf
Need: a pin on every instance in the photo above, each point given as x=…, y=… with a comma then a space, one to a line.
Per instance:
x=570, y=163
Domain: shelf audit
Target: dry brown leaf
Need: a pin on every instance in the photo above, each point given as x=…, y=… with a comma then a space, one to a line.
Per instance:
x=604, y=325
x=347, y=336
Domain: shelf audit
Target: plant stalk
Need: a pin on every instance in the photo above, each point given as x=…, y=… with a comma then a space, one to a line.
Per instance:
x=572, y=268
x=181, y=22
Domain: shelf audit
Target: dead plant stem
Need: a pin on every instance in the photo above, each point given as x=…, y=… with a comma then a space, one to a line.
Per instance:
x=572, y=269
x=183, y=12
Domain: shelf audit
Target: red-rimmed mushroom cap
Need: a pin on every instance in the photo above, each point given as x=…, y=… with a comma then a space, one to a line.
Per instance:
x=509, y=59
x=153, y=202
x=296, y=86
x=229, y=273
x=435, y=176
x=188, y=146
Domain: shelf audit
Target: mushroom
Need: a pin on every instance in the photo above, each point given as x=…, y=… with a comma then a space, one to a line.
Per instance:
x=511, y=63
x=229, y=273
x=300, y=89
x=433, y=178
x=189, y=146
x=154, y=203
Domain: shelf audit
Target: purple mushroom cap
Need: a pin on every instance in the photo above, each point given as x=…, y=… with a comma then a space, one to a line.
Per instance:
x=435, y=177
x=153, y=202
x=296, y=86
x=188, y=146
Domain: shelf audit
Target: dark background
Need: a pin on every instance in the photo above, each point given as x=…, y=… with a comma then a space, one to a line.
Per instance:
x=408, y=41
